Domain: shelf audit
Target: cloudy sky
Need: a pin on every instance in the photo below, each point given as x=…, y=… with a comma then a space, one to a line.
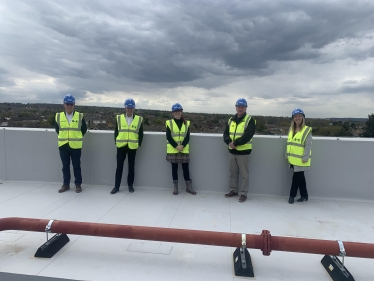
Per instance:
x=317, y=54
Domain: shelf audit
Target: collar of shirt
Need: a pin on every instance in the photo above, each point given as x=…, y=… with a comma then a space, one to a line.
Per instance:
x=69, y=116
x=129, y=119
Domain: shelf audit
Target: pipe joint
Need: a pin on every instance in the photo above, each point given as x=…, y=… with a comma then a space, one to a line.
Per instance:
x=266, y=242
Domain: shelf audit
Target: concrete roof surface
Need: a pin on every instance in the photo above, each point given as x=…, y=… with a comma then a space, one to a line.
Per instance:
x=97, y=258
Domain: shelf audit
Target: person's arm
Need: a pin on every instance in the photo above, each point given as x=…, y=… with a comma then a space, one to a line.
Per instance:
x=115, y=132
x=187, y=138
x=248, y=133
x=226, y=135
x=170, y=139
x=285, y=152
x=84, y=127
x=57, y=128
x=141, y=134
x=308, y=147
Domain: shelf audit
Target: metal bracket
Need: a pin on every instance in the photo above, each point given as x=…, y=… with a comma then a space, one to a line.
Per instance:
x=342, y=252
x=242, y=250
x=48, y=228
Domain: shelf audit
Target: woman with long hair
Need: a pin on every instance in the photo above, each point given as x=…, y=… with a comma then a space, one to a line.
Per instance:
x=299, y=151
x=178, y=137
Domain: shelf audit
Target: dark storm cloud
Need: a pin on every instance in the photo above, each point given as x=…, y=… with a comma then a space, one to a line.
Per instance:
x=216, y=95
x=362, y=86
x=5, y=81
x=101, y=46
x=166, y=44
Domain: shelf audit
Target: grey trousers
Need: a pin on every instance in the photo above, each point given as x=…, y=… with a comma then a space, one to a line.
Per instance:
x=239, y=164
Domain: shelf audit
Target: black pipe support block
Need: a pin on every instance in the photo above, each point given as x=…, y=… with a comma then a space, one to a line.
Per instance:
x=52, y=246
x=336, y=269
x=243, y=267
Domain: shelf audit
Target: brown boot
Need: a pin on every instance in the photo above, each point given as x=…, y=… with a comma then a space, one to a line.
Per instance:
x=175, y=192
x=78, y=189
x=189, y=187
x=64, y=188
x=242, y=198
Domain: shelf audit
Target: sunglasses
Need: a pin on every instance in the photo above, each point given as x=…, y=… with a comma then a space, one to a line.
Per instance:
x=69, y=104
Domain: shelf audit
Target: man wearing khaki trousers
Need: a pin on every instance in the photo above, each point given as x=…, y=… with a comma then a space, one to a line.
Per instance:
x=238, y=136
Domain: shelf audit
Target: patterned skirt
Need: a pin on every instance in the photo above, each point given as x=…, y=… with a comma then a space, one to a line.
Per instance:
x=178, y=157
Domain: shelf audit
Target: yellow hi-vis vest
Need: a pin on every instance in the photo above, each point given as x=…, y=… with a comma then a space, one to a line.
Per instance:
x=296, y=145
x=128, y=135
x=178, y=136
x=237, y=130
x=70, y=133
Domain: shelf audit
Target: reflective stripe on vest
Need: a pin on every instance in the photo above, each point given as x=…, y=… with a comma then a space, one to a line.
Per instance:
x=178, y=136
x=296, y=146
x=237, y=130
x=128, y=135
x=70, y=133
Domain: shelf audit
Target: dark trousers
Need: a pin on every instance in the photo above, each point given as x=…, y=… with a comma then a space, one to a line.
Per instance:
x=121, y=156
x=67, y=153
x=298, y=181
x=186, y=171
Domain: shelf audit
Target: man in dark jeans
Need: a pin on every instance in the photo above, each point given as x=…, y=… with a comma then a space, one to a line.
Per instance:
x=70, y=127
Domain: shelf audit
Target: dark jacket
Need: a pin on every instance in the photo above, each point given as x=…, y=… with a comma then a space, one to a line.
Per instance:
x=170, y=139
x=83, y=130
x=141, y=132
x=247, y=136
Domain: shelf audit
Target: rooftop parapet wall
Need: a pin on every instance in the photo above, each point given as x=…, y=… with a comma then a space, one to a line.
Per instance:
x=341, y=168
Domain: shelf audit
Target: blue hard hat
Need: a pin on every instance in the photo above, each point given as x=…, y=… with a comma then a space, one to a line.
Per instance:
x=297, y=111
x=176, y=107
x=129, y=103
x=241, y=102
x=69, y=99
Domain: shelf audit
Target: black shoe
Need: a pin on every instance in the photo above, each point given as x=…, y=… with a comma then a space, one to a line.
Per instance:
x=231, y=194
x=291, y=200
x=114, y=191
x=302, y=199
x=131, y=189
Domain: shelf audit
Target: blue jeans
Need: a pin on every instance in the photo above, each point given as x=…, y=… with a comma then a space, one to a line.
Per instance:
x=66, y=152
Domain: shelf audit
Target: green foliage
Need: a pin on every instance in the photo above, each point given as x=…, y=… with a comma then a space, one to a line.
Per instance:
x=146, y=121
x=345, y=130
x=369, y=127
x=331, y=131
x=51, y=120
x=260, y=126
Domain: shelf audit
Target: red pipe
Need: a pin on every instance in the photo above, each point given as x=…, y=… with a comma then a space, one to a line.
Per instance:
x=264, y=242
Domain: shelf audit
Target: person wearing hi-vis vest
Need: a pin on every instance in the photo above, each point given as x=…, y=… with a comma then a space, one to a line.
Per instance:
x=70, y=127
x=128, y=137
x=238, y=136
x=298, y=154
x=177, y=147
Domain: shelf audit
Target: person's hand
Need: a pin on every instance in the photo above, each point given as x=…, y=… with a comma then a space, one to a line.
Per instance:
x=304, y=161
x=180, y=147
x=231, y=145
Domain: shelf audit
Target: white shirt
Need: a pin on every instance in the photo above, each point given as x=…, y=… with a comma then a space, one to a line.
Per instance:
x=69, y=116
x=129, y=120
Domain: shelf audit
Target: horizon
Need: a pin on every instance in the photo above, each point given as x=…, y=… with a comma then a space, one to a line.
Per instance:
x=184, y=111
